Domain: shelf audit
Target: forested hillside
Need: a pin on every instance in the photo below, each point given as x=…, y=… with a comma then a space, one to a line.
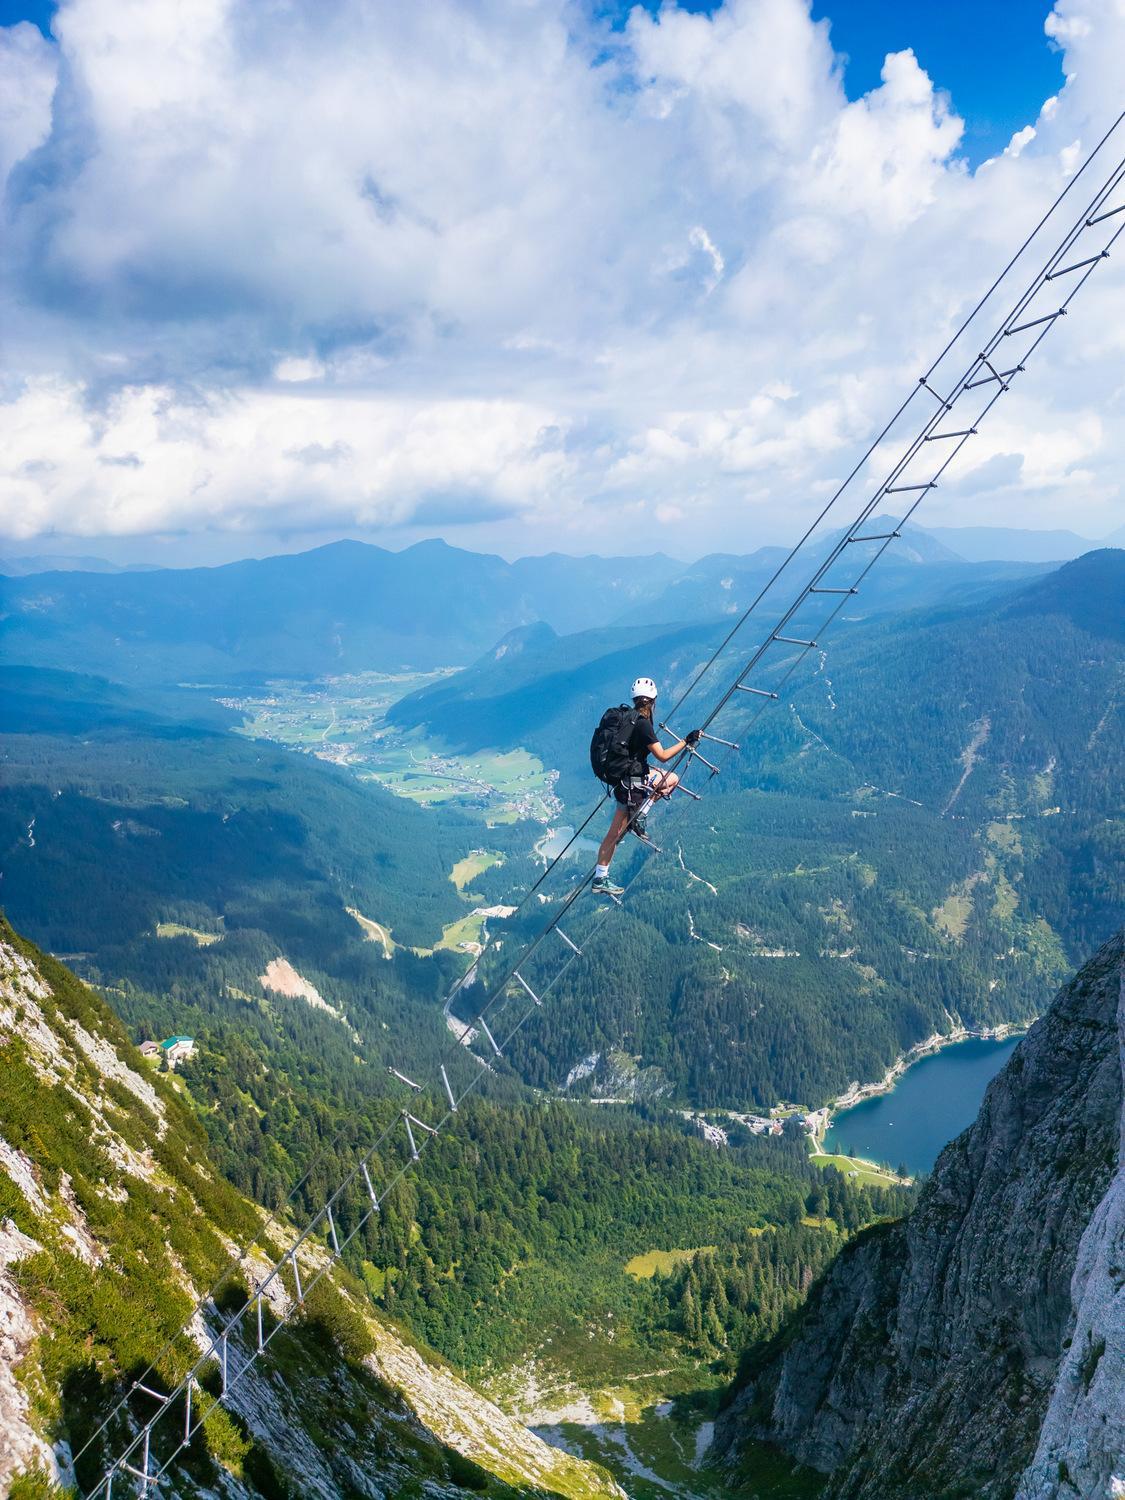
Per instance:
x=113, y=1222
x=924, y=831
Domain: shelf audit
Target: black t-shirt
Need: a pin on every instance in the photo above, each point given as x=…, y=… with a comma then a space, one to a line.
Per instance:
x=641, y=740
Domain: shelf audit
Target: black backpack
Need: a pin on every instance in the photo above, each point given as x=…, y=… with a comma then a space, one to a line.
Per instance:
x=610, y=756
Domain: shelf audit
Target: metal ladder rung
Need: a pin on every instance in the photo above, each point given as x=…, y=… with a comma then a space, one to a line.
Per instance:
x=692, y=751
x=1109, y=213
x=371, y=1193
x=1001, y=377
x=414, y=1156
x=147, y=1389
x=882, y=536
x=925, y=384
x=936, y=437
x=402, y=1078
x=448, y=1088
x=421, y=1124
x=758, y=692
x=491, y=1038
x=1034, y=323
x=819, y=590
x=332, y=1229
x=713, y=769
x=788, y=640
x=903, y=489
x=573, y=946
x=715, y=740
x=1091, y=260
x=518, y=976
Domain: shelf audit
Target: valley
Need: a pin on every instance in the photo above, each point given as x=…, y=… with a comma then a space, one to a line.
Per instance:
x=343, y=721
x=312, y=883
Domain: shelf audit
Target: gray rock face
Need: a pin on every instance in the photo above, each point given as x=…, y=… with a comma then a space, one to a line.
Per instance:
x=978, y=1348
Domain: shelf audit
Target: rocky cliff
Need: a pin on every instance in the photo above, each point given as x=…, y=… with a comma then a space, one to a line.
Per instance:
x=113, y=1221
x=978, y=1348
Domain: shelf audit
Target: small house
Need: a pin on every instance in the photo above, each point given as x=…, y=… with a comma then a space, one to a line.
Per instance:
x=150, y=1049
x=177, y=1048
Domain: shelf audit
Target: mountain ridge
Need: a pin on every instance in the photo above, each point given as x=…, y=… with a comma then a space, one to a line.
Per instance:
x=113, y=1222
x=975, y=1347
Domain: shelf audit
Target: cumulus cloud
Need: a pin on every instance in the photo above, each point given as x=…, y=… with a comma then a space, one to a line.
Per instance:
x=308, y=266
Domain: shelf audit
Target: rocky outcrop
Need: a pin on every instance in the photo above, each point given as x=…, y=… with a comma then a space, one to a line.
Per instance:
x=978, y=1348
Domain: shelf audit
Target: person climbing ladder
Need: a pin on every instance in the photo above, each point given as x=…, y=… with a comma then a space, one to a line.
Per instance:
x=619, y=752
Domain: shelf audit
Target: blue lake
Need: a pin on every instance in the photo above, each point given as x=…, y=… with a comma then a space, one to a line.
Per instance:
x=933, y=1102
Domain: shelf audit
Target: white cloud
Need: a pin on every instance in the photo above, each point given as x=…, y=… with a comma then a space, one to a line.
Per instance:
x=149, y=461
x=372, y=264
x=1019, y=140
x=27, y=83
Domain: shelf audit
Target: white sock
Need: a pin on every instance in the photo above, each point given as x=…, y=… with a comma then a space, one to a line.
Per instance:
x=600, y=872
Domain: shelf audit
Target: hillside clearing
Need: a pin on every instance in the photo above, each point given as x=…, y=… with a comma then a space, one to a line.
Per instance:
x=474, y=864
x=664, y=1262
x=374, y=932
x=176, y=929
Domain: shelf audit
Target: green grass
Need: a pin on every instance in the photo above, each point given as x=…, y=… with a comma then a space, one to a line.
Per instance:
x=952, y=916
x=474, y=864
x=663, y=1262
x=1005, y=836
x=867, y=1174
x=177, y=929
x=454, y=935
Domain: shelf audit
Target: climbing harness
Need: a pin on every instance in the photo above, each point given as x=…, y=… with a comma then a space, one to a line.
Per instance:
x=174, y=1417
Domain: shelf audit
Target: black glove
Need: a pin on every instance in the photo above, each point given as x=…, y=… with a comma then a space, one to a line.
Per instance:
x=693, y=737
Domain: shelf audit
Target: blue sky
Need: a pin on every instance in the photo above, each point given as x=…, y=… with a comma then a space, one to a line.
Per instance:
x=530, y=276
x=991, y=55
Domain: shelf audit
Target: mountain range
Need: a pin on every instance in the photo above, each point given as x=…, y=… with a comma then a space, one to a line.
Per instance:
x=350, y=607
x=922, y=834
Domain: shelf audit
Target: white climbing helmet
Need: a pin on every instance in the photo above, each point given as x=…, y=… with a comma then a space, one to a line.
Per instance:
x=644, y=687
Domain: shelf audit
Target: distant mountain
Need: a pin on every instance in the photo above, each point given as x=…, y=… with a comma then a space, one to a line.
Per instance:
x=1009, y=544
x=975, y=1348
x=346, y=607
x=21, y=567
x=350, y=607
x=915, y=570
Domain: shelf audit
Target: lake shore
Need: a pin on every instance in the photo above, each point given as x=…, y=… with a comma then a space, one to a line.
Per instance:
x=856, y=1093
